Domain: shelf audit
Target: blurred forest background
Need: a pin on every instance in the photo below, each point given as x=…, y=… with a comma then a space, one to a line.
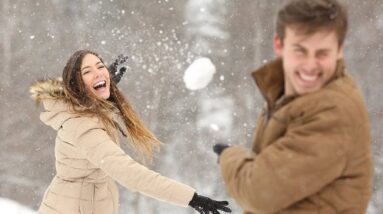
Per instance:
x=161, y=37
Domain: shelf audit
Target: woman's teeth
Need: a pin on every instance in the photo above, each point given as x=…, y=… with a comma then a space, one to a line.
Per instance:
x=99, y=85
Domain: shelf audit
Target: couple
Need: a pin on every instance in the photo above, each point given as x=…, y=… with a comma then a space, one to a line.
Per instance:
x=311, y=152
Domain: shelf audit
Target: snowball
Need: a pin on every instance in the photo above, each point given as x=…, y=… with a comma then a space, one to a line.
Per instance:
x=199, y=74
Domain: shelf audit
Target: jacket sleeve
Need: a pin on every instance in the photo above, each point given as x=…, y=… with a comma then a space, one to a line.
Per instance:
x=309, y=156
x=97, y=146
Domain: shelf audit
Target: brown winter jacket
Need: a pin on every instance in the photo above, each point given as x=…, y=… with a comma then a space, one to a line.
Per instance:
x=88, y=162
x=311, y=153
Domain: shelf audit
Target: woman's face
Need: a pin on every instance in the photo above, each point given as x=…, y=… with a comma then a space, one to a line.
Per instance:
x=95, y=76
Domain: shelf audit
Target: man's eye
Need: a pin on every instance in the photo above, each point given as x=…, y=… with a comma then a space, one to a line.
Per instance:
x=322, y=55
x=101, y=67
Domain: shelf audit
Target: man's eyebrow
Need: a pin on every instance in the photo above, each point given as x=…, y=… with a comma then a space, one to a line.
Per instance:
x=302, y=47
x=89, y=66
x=324, y=50
x=299, y=46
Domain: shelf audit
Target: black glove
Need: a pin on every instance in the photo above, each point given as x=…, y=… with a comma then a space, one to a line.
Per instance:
x=219, y=147
x=206, y=205
x=118, y=68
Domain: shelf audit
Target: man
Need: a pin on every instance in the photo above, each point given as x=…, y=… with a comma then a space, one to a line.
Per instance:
x=311, y=151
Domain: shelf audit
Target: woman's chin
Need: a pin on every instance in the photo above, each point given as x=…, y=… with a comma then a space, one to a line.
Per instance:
x=103, y=95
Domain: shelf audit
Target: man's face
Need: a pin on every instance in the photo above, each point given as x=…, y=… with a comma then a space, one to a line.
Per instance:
x=309, y=61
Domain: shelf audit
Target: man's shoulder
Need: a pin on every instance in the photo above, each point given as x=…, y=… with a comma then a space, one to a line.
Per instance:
x=341, y=95
x=345, y=94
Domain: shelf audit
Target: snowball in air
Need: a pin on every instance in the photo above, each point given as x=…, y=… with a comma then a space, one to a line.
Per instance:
x=199, y=74
x=214, y=126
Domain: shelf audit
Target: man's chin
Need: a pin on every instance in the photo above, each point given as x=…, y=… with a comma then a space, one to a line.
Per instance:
x=308, y=90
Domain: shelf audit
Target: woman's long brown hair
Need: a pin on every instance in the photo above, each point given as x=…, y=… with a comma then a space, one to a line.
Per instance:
x=84, y=102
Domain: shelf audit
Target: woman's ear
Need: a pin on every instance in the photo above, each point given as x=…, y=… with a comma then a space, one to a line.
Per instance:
x=278, y=45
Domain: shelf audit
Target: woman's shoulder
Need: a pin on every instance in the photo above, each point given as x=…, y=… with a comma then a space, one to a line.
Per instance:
x=79, y=125
x=80, y=122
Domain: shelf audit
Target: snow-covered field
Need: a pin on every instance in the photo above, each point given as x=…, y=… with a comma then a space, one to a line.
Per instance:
x=8, y=206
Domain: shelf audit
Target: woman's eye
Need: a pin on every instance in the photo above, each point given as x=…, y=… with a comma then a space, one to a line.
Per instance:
x=101, y=67
x=85, y=72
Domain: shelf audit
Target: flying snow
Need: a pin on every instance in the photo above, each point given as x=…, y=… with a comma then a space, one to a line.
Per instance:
x=214, y=126
x=199, y=74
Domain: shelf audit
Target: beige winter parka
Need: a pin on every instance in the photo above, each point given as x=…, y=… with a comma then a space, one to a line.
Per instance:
x=311, y=153
x=88, y=162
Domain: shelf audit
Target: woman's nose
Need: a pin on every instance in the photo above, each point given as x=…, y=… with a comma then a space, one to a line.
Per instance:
x=97, y=72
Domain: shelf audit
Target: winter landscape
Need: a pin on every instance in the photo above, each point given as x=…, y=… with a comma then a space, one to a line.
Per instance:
x=188, y=77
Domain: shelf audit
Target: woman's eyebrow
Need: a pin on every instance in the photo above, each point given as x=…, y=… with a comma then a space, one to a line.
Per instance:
x=89, y=66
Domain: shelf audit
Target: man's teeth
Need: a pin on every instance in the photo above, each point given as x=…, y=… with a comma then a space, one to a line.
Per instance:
x=308, y=77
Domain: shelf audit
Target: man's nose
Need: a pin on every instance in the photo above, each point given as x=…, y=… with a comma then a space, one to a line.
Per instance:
x=311, y=65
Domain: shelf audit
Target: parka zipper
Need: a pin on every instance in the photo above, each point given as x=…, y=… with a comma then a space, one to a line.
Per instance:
x=93, y=195
x=260, y=130
x=268, y=112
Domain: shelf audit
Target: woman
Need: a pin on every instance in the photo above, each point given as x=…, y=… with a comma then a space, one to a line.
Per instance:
x=89, y=112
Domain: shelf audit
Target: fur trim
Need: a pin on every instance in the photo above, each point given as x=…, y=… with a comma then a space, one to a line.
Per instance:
x=47, y=89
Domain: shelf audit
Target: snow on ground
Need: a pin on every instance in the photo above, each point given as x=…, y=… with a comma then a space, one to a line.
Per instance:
x=8, y=206
x=199, y=74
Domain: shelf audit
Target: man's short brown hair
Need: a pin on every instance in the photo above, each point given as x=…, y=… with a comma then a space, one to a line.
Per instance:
x=310, y=16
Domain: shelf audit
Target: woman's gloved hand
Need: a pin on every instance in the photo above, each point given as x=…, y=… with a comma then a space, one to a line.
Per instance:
x=205, y=205
x=118, y=68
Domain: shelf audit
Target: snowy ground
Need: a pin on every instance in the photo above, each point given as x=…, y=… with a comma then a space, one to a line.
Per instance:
x=8, y=206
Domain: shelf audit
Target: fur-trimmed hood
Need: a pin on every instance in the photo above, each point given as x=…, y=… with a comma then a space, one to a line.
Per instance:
x=51, y=94
x=47, y=89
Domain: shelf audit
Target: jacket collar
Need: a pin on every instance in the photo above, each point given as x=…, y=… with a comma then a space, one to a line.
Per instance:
x=270, y=79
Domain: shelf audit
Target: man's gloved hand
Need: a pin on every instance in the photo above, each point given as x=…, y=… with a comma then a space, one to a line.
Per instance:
x=118, y=68
x=219, y=147
x=206, y=205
